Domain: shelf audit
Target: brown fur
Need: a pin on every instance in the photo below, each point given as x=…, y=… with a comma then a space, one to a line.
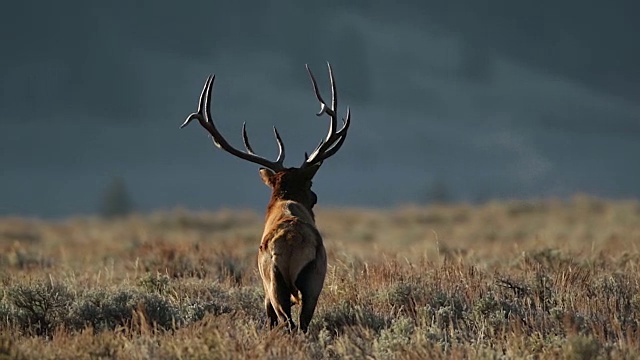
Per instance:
x=292, y=259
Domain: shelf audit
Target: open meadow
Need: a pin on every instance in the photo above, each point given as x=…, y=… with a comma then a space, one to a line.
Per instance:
x=521, y=279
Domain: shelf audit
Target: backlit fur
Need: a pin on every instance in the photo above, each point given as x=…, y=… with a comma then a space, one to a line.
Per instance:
x=292, y=258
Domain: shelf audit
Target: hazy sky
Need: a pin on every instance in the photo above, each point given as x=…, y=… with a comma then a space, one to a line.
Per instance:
x=493, y=100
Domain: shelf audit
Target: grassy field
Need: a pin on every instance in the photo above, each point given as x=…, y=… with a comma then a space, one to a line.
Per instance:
x=537, y=279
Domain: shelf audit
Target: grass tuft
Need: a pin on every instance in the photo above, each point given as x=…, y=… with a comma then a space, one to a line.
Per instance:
x=534, y=279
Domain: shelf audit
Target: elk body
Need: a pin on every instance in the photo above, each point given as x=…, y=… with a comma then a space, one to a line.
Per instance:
x=291, y=259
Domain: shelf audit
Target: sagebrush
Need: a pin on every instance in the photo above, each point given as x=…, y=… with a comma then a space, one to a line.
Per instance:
x=541, y=279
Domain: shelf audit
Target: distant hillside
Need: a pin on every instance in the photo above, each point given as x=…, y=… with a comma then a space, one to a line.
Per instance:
x=441, y=94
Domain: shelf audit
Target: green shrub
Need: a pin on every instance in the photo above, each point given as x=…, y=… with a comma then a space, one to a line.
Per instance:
x=40, y=306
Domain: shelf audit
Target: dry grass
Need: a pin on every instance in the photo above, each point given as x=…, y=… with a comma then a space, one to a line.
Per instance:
x=542, y=279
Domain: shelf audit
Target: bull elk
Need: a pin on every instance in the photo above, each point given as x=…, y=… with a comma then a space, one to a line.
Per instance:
x=291, y=259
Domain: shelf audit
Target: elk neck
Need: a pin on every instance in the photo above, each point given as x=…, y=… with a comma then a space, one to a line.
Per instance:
x=279, y=208
x=291, y=195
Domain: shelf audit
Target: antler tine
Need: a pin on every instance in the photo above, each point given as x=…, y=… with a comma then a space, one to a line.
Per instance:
x=334, y=139
x=334, y=98
x=281, y=153
x=320, y=155
x=247, y=145
x=324, y=109
x=206, y=121
x=245, y=138
x=198, y=115
x=342, y=136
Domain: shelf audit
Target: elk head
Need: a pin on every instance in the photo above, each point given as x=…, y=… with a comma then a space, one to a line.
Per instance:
x=292, y=259
x=286, y=183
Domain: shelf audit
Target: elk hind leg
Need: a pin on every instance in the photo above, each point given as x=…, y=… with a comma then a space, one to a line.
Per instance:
x=281, y=299
x=271, y=312
x=309, y=282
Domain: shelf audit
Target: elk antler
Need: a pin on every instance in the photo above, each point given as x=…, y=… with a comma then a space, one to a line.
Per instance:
x=204, y=118
x=334, y=140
